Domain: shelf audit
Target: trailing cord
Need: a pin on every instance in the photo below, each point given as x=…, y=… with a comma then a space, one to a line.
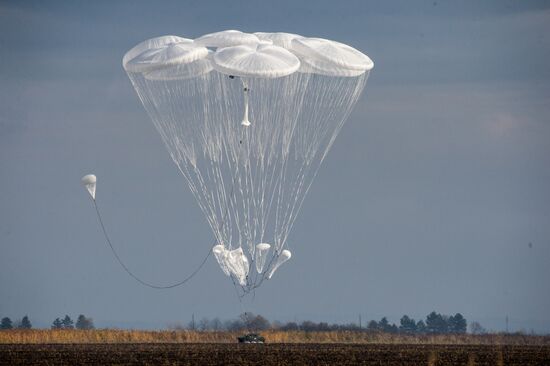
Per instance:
x=132, y=274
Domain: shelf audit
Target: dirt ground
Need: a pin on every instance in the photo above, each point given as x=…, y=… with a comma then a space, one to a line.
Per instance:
x=270, y=354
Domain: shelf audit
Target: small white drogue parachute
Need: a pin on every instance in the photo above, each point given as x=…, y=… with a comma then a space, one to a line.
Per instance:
x=262, y=250
x=248, y=119
x=89, y=182
x=285, y=256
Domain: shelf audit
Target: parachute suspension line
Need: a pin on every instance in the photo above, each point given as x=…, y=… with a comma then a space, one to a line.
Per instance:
x=232, y=194
x=134, y=276
x=325, y=123
x=249, y=181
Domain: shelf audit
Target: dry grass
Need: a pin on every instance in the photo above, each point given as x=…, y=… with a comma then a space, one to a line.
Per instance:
x=387, y=338
x=42, y=336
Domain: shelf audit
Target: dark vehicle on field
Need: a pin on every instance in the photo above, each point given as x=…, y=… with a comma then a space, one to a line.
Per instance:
x=251, y=338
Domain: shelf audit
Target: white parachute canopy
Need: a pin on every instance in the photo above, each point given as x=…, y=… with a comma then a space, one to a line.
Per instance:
x=248, y=119
x=262, y=250
x=285, y=256
x=89, y=182
x=227, y=38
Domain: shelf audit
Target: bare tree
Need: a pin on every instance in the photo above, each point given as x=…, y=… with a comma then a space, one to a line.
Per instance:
x=204, y=324
x=476, y=328
x=216, y=324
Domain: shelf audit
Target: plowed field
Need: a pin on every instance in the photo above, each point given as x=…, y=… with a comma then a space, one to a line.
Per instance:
x=270, y=354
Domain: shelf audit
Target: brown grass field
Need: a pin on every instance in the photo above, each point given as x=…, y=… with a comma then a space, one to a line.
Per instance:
x=133, y=347
x=37, y=336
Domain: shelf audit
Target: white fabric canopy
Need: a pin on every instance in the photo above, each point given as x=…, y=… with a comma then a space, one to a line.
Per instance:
x=264, y=55
x=181, y=71
x=89, y=182
x=280, y=39
x=227, y=38
x=261, y=255
x=151, y=44
x=325, y=57
x=264, y=61
x=331, y=51
x=171, y=54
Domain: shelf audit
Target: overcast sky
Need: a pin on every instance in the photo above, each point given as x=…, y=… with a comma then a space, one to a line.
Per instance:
x=428, y=200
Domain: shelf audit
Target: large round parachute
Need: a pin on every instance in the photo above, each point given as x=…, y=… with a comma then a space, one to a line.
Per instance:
x=248, y=119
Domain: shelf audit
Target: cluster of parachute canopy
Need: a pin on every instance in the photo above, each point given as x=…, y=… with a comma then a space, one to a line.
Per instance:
x=248, y=118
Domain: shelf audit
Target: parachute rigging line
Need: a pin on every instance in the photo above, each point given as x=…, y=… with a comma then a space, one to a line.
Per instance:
x=134, y=276
x=176, y=284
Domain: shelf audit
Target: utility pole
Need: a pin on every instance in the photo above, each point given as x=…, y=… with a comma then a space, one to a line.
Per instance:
x=506, y=323
x=193, y=321
x=359, y=321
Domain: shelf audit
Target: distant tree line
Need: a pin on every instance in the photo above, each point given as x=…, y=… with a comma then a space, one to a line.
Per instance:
x=66, y=323
x=82, y=322
x=23, y=323
x=434, y=323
